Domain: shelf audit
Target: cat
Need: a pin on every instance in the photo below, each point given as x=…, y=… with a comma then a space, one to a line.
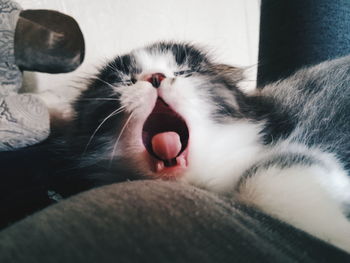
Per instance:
x=169, y=111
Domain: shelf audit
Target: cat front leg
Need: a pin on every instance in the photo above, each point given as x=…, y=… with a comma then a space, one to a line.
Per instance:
x=298, y=195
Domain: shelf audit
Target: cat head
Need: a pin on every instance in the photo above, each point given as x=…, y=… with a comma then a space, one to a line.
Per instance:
x=167, y=111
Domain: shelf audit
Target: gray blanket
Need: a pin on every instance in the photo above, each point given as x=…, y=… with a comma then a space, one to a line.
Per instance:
x=157, y=221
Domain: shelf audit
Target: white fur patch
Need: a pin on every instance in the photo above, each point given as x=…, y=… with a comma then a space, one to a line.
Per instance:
x=219, y=154
x=249, y=82
x=296, y=195
x=162, y=62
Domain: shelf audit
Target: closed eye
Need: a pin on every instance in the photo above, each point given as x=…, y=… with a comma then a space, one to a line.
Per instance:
x=130, y=82
x=184, y=73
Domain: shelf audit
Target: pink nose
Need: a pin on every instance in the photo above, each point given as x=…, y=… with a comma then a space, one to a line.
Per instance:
x=155, y=79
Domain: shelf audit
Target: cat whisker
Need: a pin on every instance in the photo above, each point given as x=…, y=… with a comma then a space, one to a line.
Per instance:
x=105, y=82
x=109, y=84
x=115, y=112
x=112, y=67
x=119, y=136
x=102, y=99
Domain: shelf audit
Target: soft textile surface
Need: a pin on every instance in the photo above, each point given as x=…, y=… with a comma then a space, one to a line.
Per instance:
x=297, y=33
x=10, y=76
x=24, y=119
x=157, y=221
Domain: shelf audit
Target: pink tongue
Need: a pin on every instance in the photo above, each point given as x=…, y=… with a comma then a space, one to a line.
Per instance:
x=166, y=145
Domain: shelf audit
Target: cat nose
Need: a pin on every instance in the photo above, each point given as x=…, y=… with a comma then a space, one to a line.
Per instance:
x=155, y=79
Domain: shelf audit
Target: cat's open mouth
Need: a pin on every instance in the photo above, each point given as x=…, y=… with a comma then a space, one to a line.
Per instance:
x=165, y=136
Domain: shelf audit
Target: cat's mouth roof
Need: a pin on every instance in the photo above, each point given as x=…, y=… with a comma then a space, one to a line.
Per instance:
x=165, y=136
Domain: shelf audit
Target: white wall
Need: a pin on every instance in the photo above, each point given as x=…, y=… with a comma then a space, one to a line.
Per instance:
x=110, y=27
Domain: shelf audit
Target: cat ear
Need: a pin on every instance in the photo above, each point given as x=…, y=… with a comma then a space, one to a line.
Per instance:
x=242, y=78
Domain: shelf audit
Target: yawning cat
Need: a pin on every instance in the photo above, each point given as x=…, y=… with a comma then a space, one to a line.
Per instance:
x=168, y=111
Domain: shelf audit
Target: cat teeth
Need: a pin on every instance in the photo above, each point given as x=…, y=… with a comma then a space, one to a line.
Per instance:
x=181, y=161
x=159, y=166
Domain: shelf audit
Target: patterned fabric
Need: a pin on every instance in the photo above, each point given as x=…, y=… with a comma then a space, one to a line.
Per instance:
x=24, y=118
x=10, y=75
